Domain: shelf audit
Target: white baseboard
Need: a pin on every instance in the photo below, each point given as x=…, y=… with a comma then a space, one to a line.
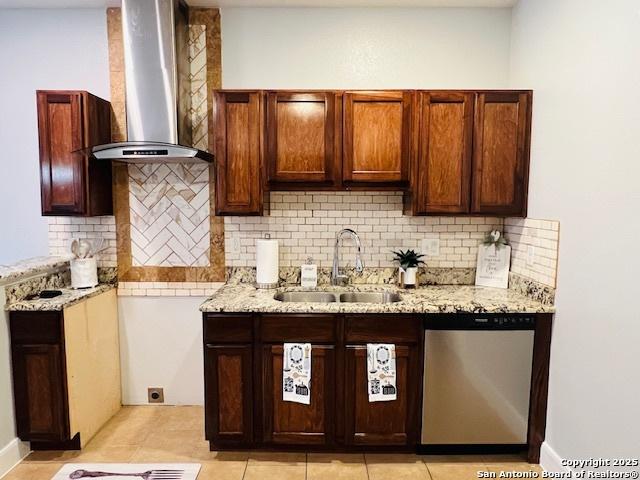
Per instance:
x=550, y=461
x=11, y=454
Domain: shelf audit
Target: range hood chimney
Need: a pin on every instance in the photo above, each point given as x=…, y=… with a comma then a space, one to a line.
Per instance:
x=156, y=60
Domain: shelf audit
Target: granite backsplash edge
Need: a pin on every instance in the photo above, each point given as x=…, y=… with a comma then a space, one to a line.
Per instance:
x=388, y=276
x=60, y=278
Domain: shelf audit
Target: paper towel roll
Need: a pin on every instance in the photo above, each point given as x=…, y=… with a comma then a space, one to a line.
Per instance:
x=267, y=263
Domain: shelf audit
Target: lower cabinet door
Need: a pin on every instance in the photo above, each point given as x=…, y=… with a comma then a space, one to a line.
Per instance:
x=296, y=423
x=229, y=395
x=392, y=422
x=40, y=394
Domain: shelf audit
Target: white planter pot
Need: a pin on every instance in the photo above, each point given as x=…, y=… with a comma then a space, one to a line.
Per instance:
x=409, y=276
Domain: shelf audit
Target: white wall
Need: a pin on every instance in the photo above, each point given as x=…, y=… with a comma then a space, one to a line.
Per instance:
x=39, y=49
x=11, y=449
x=161, y=346
x=581, y=58
x=365, y=48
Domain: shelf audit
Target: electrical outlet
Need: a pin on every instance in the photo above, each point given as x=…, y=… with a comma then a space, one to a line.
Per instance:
x=155, y=394
x=235, y=244
x=431, y=247
x=531, y=255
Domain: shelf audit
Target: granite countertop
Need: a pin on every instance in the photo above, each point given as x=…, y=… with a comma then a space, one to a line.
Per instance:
x=31, y=266
x=69, y=297
x=428, y=299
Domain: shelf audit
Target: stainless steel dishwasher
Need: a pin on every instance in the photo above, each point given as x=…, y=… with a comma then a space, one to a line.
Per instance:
x=477, y=379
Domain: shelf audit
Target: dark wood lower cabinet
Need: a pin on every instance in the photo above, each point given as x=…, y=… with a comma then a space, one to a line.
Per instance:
x=244, y=407
x=39, y=385
x=243, y=382
x=296, y=423
x=381, y=423
x=229, y=394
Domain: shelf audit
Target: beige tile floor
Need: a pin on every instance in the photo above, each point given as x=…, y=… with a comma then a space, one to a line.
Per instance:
x=176, y=434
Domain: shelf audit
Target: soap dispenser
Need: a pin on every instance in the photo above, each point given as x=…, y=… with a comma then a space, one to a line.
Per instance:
x=309, y=274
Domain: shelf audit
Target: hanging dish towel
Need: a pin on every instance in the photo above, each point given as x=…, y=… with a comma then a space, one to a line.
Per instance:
x=296, y=373
x=381, y=372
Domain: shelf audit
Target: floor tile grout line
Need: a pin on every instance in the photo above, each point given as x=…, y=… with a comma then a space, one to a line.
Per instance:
x=366, y=466
x=246, y=465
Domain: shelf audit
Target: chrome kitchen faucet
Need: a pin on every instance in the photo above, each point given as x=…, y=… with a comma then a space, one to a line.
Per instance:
x=336, y=278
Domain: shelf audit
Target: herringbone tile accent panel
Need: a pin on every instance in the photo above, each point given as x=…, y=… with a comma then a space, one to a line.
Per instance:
x=198, y=74
x=169, y=215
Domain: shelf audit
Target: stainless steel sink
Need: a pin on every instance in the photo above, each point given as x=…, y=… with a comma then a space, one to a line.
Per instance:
x=370, y=297
x=328, y=297
x=316, y=297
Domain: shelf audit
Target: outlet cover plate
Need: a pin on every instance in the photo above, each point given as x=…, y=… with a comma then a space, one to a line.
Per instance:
x=155, y=394
x=431, y=247
x=531, y=255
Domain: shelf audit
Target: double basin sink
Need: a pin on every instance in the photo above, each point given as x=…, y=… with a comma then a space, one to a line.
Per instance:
x=330, y=297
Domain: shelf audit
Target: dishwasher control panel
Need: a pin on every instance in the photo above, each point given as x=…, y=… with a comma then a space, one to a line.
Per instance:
x=480, y=321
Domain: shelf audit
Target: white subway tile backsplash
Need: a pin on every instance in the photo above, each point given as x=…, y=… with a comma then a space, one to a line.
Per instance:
x=543, y=235
x=63, y=230
x=306, y=224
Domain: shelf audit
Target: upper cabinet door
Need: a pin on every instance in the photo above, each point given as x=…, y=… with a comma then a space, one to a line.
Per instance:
x=502, y=136
x=443, y=176
x=60, y=131
x=377, y=137
x=301, y=137
x=72, y=183
x=238, y=153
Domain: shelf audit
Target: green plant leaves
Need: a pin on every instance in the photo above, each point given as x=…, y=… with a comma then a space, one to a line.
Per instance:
x=408, y=258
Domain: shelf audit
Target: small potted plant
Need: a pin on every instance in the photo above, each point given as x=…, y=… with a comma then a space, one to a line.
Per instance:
x=408, y=261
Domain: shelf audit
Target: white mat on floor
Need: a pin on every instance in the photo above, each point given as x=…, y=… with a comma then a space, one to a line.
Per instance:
x=128, y=471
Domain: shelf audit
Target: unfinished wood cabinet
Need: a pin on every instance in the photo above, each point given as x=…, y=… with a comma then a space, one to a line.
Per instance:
x=442, y=182
x=238, y=127
x=302, y=140
x=377, y=137
x=66, y=372
x=72, y=183
x=502, y=135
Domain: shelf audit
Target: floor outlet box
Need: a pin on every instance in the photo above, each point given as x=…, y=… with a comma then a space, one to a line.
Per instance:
x=155, y=395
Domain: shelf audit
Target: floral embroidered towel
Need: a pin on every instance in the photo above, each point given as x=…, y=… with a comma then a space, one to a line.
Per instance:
x=381, y=372
x=296, y=373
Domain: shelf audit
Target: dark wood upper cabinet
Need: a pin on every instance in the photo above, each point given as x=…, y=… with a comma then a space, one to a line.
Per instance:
x=295, y=423
x=377, y=137
x=302, y=141
x=71, y=182
x=460, y=152
x=442, y=182
x=502, y=134
x=238, y=150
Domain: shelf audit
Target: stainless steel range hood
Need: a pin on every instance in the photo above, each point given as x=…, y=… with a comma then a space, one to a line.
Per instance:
x=158, y=85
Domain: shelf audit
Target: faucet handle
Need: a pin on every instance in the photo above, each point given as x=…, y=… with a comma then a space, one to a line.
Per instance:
x=359, y=265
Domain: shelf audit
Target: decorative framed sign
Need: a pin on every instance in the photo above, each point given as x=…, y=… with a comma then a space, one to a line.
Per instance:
x=494, y=258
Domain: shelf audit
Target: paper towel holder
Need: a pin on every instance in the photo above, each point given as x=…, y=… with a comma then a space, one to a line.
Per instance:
x=266, y=286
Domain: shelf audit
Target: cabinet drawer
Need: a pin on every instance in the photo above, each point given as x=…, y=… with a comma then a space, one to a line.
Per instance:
x=383, y=328
x=298, y=328
x=228, y=328
x=36, y=327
